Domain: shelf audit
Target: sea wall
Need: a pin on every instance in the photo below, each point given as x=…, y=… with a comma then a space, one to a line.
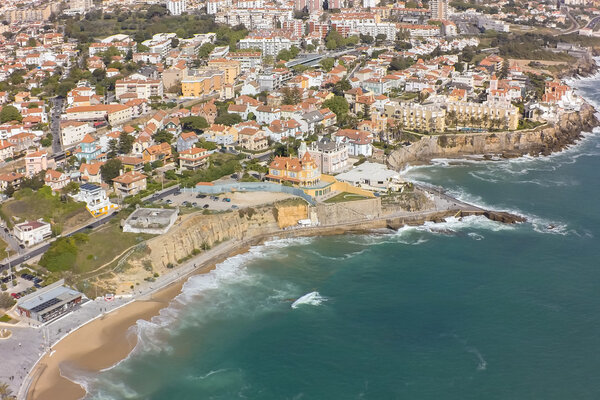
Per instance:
x=541, y=141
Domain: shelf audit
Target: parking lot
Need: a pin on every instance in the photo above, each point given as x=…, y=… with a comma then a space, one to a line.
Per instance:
x=223, y=202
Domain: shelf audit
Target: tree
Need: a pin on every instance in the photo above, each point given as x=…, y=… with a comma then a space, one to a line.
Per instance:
x=163, y=136
x=338, y=105
x=31, y=42
x=194, y=123
x=125, y=143
x=366, y=39
x=10, y=190
x=380, y=37
x=113, y=148
x=205, y=50
x=111, y=169
x=10, y=113
x=6, y=302
x=327, y=63
x=228, y=119
x=291, y=96
x=400, y=63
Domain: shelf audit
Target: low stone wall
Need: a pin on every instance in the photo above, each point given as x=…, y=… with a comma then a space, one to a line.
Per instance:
x=340, y=213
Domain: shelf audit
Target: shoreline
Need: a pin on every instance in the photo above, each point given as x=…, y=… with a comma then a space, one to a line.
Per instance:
x=106, y=340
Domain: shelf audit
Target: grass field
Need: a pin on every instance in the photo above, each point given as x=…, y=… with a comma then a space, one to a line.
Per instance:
x=103, y=245
x=30, y=205
x=343, y=197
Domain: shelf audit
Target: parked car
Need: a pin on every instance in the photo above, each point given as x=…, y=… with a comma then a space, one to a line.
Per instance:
x=205, y=206
x=227, y=199
x=200, y=196
x=15, y=295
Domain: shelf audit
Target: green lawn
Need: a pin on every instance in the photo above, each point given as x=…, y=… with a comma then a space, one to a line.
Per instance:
x=30, y=205
x=83, y=253
x=5, y=318
x=343, y=197
x=105, y=244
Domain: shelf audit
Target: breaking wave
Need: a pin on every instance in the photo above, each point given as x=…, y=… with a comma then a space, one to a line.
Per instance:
x=312, y=299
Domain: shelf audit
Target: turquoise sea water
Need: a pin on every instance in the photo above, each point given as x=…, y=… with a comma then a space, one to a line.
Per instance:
x=467, y=309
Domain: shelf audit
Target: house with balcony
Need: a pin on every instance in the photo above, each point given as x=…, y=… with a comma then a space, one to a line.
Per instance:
x=88, y=149
x=298, y=171
x=129, y=184
x=193, y=159
x=96, y=200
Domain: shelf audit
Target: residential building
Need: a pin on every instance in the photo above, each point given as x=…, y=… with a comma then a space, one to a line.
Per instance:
x=359, y=143
x=6, y=149
x=193, y=158
x=438, y=9
x=157, y=152
x=231, y=68
x=30, y=233
x=302, y=172
x=56, y=180
x=221, y=134
x=13, y=179
x=177, y=7
x=417, y=117
x=35, y=163
x=91, y=172
x=252, y=138
x=186, y=141
x=202, y=83
x=73, y=132
x=88, y=149
x=129, y=184
x=138, y=89
x=331, y=157
x=96, y=200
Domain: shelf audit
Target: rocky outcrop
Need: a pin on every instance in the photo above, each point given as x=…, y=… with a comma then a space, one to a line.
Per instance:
x=541, y=141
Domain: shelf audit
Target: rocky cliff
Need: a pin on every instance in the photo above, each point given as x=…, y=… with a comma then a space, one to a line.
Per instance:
x=541, y=141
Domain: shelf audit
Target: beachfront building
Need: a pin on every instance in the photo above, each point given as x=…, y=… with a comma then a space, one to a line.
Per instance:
x=301, y=172
x=49, y=302
x=30, y=233
x=97, y=203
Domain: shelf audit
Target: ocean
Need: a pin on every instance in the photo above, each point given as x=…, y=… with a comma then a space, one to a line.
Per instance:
x=467, y=309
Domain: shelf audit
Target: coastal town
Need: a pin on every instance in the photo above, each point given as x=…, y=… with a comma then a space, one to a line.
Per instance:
x=144, y=141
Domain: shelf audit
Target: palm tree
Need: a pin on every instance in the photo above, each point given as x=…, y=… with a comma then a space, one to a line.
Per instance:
x=5, y=391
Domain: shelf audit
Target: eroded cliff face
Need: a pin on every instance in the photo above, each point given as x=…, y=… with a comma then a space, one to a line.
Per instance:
x=197, y=232
x=507, y=144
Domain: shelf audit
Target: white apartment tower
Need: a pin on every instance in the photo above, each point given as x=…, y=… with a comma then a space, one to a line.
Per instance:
x=176, y=7
x=439, y=9
x=81, y=6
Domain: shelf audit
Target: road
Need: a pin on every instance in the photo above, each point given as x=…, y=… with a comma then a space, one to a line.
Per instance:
x=42, y=249
x=56, y=111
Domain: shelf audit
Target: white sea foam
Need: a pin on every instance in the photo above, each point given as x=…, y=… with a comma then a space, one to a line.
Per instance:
x=312, y=299
x=482, y=365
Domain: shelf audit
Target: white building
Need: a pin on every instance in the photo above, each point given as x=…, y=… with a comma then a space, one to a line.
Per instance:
x=73, y=132
x=96, y=200
x=268, y=45
x=32, y=232
x=177, y=7
x=438, y=9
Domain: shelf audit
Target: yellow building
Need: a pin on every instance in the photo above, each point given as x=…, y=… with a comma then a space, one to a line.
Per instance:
x=413, y=116
x=482, y=115
x=231, y=68
x=302, y=172
x=202, y=83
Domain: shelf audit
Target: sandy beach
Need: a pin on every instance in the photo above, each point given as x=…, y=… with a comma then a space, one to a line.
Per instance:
x=107, y=340
x=95, y=346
